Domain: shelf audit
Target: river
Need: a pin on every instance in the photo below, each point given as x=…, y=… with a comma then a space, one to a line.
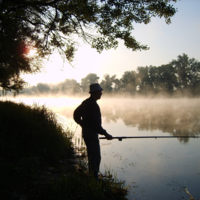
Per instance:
x=151, y=168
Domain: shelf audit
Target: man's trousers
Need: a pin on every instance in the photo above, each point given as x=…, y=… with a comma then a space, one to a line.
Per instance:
x=91, y=139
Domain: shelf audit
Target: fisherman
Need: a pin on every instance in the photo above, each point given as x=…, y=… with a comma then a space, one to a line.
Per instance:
x=88, y=116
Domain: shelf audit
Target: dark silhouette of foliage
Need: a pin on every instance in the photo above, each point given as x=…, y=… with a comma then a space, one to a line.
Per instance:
x=50, y=25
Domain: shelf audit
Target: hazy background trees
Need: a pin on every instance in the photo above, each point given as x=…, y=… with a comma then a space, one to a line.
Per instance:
x=89, y=79
x=108, y=83
x=67, y=87
x=180, y=77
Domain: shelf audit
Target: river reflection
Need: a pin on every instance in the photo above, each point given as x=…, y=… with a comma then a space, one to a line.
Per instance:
x=178, y=117
x=151, y=168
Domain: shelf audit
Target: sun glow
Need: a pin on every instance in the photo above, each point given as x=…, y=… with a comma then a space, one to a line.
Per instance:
x=32, y=52
x=56, y=69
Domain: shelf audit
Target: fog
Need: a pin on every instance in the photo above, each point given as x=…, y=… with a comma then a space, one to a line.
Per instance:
x=174, y=116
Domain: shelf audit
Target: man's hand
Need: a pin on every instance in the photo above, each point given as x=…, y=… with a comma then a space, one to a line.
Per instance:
x=108, y=136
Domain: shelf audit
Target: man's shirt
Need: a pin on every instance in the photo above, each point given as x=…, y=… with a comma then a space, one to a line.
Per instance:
x=88, y=115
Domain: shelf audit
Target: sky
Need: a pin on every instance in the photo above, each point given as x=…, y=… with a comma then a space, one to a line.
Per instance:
x=166, y=42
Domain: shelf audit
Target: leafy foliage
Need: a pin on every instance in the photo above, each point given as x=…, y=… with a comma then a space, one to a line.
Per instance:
x=27, y=132
x=49, y=25
x=30, y=139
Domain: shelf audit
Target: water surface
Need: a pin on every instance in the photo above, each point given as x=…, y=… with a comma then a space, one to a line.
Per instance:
x=151, y=168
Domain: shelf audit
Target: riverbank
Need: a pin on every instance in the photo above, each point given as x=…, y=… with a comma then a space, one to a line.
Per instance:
x=37, y=159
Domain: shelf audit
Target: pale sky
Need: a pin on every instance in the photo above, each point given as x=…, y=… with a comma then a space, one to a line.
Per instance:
x=166, y=42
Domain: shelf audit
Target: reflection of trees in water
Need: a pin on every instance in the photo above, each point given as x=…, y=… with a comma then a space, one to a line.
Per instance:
x=178, y=117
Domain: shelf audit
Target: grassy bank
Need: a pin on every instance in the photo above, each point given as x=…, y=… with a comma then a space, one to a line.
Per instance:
x=35, y=159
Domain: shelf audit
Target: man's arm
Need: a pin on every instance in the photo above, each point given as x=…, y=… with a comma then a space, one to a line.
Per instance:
x=96, y=118
x=77, y=115
x=108, y=136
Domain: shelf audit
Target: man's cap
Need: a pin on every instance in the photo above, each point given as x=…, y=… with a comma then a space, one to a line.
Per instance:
x=95, y=87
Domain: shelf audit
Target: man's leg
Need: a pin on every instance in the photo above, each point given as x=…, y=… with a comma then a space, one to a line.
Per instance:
x=93, y=149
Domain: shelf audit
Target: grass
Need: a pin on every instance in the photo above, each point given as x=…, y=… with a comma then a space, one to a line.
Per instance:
x=80, y=186
x=35, y=163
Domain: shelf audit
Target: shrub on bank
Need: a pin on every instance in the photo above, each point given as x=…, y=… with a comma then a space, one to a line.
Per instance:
x=30, y=139
x=31, y=131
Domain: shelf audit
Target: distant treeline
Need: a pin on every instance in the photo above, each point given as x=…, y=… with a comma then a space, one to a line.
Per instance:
x=180, y=77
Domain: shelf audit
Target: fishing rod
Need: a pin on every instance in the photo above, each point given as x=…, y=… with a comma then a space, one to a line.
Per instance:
x=136, y=137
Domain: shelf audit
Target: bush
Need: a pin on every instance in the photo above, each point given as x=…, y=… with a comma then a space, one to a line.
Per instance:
x=31, y=131
x=30, y=139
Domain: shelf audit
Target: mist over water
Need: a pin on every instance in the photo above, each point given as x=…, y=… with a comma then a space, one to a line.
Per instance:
x=151, y=168
x=174, y=116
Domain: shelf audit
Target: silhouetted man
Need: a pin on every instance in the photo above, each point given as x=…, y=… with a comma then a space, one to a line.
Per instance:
x=88, y=116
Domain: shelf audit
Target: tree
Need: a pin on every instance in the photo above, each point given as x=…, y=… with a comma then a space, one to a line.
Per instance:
x=129, y=82
x=153, y=75
x=70, y=86
x=108, y=83
x=144, y=81
x=49, y=25
x=117, y=87
x=43, y=88
x=188, y=74
x=89, y=79
x=167, y=79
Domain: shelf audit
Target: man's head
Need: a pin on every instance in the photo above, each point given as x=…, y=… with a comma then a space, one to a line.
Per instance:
x=95, y=91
